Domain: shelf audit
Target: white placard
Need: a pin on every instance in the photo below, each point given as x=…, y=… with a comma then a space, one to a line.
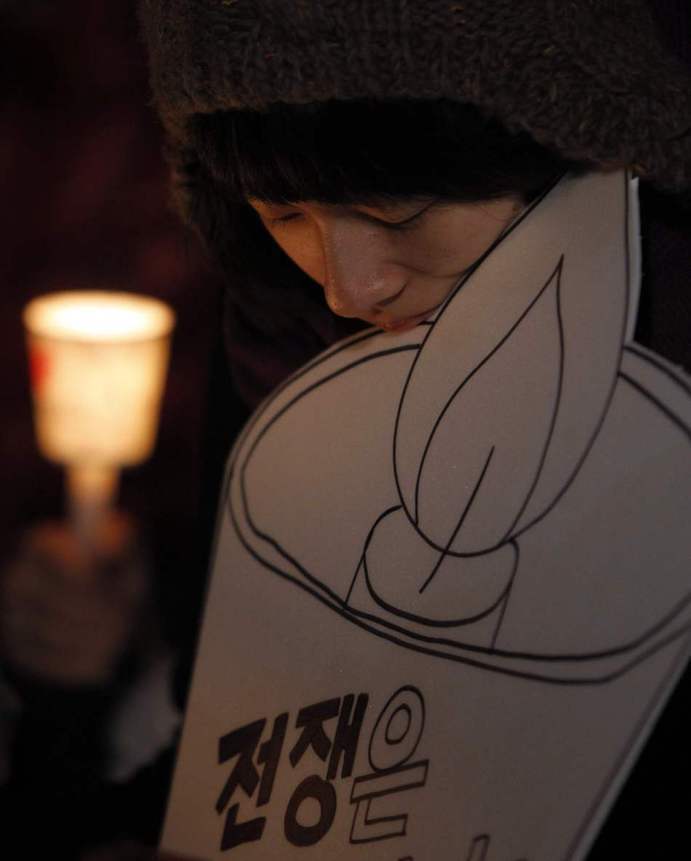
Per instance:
x=451, y=583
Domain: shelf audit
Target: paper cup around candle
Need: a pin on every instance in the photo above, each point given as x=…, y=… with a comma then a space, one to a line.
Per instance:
x=98, y=363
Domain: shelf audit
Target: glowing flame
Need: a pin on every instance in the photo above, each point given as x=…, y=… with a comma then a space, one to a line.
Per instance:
x=98, y=316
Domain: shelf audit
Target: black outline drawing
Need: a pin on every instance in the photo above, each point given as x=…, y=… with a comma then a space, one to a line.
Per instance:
x=395, y=624
x=643, y=381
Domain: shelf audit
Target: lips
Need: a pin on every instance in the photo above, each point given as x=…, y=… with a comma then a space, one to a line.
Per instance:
x=405, y=324
x=400, y=326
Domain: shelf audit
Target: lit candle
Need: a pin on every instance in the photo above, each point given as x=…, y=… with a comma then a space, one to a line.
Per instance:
x=98, y=365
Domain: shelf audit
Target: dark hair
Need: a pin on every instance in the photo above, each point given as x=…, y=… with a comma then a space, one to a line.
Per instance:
x=339, y=152
x=334, y=152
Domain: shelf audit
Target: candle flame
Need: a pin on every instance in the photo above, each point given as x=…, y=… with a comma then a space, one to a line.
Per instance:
x=98, y=316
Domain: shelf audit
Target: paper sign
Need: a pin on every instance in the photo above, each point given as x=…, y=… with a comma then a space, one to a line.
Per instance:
x=451, y=583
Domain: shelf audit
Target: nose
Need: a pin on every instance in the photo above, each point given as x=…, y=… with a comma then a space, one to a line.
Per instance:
x=360, y=279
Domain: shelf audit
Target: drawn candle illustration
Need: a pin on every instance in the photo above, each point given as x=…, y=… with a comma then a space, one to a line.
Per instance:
x=98, y=362
x=489, y=510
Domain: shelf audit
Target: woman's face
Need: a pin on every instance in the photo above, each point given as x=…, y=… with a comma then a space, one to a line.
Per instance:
x=390, y=264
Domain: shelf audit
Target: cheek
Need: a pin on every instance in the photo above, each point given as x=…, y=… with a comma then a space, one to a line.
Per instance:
x=453, y=244
x=304, y=249
x=438, y=256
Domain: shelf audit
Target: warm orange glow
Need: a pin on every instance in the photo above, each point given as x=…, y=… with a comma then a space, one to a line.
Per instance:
x=98, y=316
x=98, y=362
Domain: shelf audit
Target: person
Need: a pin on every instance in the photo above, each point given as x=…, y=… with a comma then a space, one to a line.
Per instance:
x=344, y=133
x=331, y=155
x=294, y=198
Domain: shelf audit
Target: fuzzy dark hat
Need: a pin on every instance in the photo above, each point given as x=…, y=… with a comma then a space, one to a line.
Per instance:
x=585, y=77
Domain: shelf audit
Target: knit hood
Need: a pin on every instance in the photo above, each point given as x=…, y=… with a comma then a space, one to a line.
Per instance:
x=587, y=78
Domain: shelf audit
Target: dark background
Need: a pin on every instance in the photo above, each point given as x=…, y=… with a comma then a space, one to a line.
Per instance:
x=84, y=204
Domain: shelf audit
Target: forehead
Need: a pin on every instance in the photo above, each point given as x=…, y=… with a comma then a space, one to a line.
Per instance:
x=258, y=157
x=377, y=202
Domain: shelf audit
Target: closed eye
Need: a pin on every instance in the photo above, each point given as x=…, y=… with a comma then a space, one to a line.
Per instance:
x=406, y=222
x=376, y=217
x=282, y=219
